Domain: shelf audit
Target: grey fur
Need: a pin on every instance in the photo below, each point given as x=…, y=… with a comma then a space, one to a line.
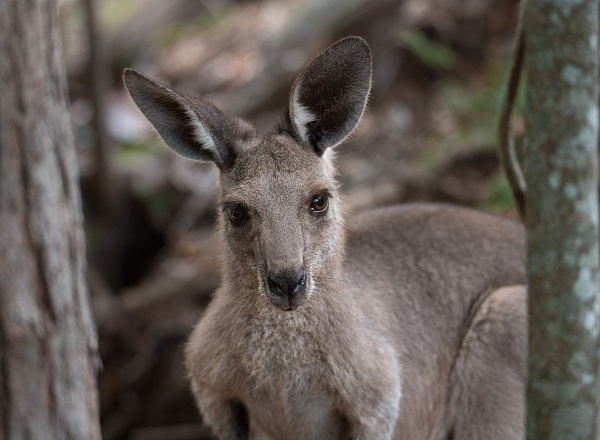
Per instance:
x=412, y=321
x=178, y=118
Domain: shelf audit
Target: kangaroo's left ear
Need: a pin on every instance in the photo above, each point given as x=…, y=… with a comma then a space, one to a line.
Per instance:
x=330, y=94
x=192, y=127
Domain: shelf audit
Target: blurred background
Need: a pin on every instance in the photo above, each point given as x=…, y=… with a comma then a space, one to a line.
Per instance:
x=428, y=134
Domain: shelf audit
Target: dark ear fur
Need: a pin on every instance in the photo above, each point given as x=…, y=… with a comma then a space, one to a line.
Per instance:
x=330, y=94
x=192, y=127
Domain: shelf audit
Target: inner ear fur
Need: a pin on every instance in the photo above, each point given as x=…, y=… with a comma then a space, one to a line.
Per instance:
x=329, y=95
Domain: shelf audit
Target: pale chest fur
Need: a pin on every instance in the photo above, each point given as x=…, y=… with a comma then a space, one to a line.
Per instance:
x=277, y=366
x=308, y=412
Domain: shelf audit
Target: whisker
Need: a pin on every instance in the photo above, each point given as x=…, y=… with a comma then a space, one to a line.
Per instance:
x=331, y=278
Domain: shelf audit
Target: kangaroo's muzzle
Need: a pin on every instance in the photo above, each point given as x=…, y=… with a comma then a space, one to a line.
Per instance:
x=287, y=288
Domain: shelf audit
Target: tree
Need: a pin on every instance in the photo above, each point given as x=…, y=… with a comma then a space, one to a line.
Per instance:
x=48, y=346
x=561, y=206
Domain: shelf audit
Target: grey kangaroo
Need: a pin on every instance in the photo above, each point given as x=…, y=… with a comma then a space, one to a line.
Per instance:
x=404, y=322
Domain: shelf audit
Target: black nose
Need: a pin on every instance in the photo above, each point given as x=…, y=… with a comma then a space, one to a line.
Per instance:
x=287, y=284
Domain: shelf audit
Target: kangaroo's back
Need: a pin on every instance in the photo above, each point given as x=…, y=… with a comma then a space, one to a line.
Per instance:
x=432, y=258
x=403, y=324
x=423, y=272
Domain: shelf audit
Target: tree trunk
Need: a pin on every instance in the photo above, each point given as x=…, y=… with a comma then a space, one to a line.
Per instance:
x=562, y=219
x=48, y=347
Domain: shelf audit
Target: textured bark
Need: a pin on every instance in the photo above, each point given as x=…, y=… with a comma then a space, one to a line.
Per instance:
x=562, y=218
x=48, y=349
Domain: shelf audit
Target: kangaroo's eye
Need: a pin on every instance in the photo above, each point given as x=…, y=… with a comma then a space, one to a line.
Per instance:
x=319, y=204
x=237, y=214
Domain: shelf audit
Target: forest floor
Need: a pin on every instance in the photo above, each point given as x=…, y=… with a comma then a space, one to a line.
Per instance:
x=428, y=135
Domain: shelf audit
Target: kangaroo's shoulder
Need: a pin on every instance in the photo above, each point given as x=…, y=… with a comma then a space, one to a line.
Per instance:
x=442, y=241
x=431, y=221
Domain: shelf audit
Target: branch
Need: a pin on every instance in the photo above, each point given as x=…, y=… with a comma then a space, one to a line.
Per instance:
x=508, y=154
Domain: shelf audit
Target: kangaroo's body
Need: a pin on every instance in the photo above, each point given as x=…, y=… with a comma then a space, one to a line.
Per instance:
x=404, y=323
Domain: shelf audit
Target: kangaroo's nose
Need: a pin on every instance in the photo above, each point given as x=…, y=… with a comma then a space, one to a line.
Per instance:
x=287, y=284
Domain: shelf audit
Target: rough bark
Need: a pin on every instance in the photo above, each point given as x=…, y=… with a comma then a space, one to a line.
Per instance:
x=562, y=218
x=48, y=349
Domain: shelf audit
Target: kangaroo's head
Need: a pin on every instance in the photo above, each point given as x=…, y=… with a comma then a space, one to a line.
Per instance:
x=278, y=199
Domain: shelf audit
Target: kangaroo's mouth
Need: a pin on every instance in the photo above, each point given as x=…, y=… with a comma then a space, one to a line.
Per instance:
x=286, y=303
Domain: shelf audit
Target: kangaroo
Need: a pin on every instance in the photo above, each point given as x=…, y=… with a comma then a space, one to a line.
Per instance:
x=405, y=322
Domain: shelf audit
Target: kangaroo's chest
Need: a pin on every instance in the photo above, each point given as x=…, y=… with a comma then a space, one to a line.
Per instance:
x=285, y=372
x=307, y=413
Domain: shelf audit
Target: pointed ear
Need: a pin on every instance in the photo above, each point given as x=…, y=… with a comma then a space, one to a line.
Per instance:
x=330, y=94
x=191, y=127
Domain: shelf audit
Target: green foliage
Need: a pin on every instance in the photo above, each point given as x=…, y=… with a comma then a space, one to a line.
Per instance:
x=465, y=101
x=435, y=54
x=213, y=17
x=467, y=117
x=134, y=153
x=500, y=198
x=115, y=13
x=468, y=113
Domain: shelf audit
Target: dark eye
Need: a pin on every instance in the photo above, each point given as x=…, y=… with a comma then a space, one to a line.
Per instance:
x=237, y=214
x=319, y=204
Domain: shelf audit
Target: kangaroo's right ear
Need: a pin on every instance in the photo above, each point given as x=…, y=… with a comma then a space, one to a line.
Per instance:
x=330, y=94
x=191, y=127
